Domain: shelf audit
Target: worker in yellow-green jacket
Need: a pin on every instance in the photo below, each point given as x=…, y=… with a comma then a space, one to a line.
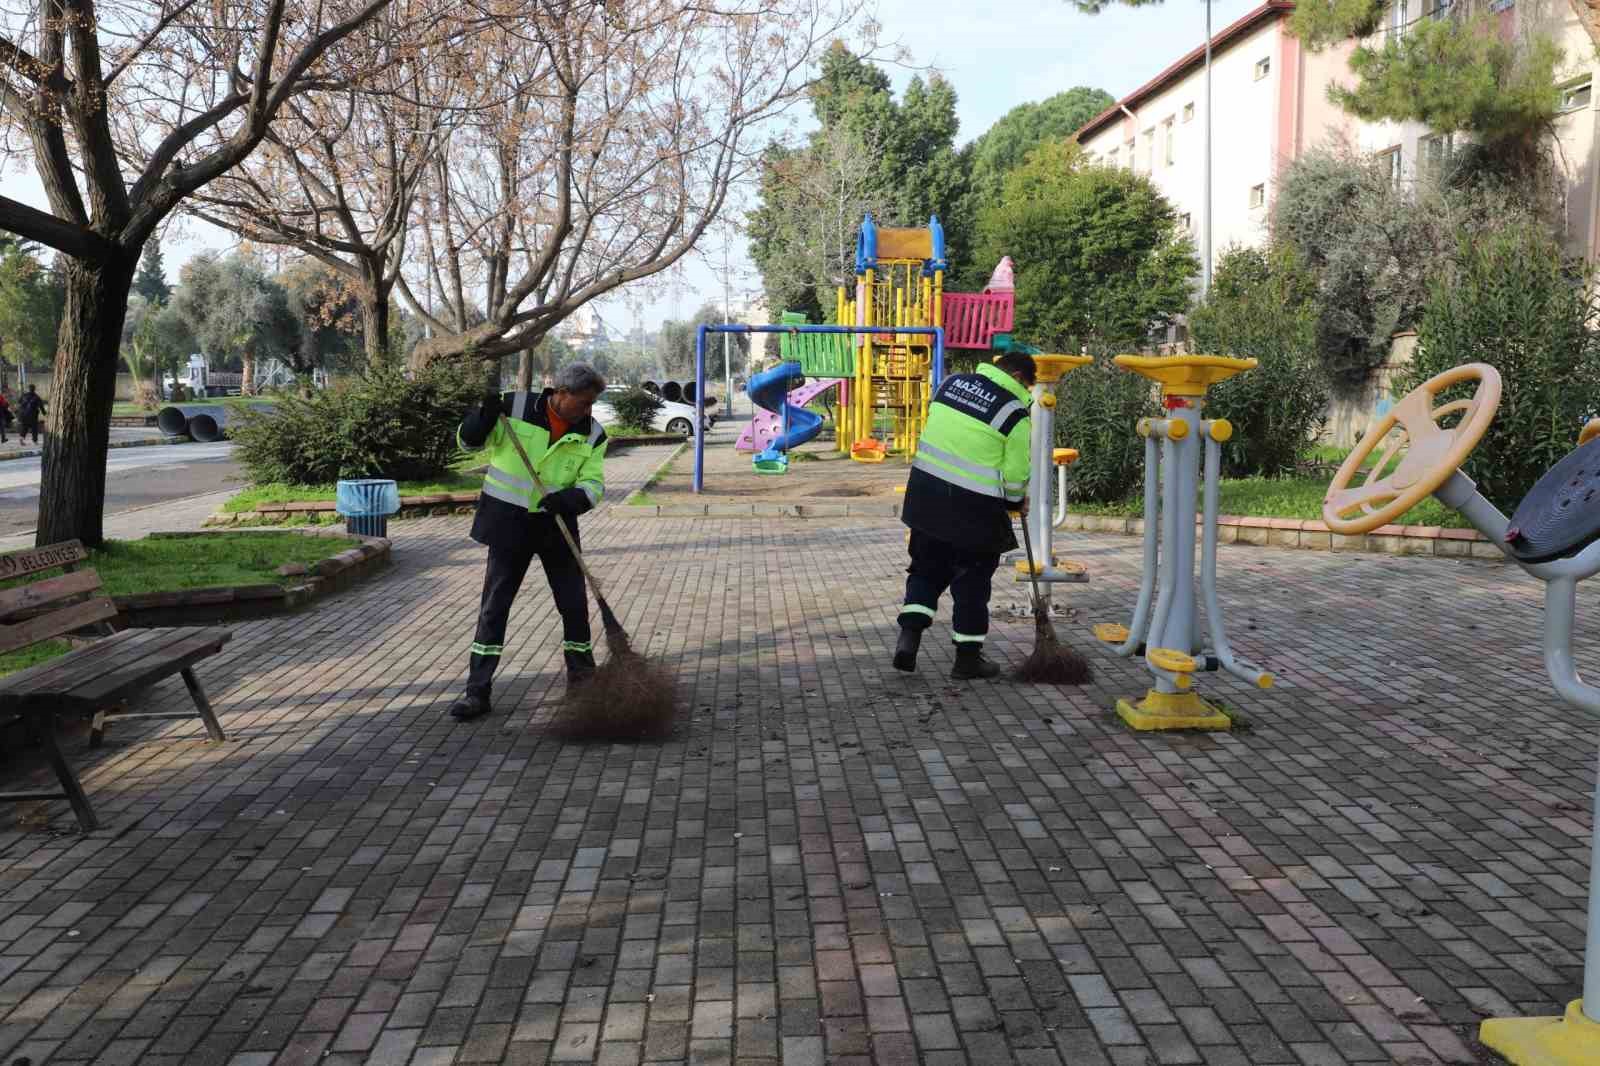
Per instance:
x=517, y=523
x=970, y=474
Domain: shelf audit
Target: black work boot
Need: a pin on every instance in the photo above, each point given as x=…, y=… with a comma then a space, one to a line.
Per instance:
x=580, y=666
x=970, y=663
x=905, y=649
x=475, y=704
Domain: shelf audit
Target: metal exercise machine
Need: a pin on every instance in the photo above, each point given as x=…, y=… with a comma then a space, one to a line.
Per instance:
x=1169, y=636
x=1554, y=535
x=1049, y=370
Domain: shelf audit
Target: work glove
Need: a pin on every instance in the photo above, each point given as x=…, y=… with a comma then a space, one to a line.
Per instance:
x=565, y=502
x=492, y=402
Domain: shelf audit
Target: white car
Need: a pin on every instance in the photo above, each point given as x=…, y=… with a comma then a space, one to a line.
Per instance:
x=674, y=418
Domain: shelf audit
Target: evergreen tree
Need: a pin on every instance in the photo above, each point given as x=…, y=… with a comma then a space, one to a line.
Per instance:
x=151, y=280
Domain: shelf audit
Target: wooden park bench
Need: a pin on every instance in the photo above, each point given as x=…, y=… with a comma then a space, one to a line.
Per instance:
x=90, y=680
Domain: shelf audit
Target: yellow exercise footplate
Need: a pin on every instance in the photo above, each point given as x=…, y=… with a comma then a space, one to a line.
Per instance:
x=1571, y=1040
x=1110, y=632
x=1171, y=659
x=1172, y=710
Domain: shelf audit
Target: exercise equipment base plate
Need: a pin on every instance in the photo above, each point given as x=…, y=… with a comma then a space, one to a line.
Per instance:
x=1172, y=710
x=1571, y=1040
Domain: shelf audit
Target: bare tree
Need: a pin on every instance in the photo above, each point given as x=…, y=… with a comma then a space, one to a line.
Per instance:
x=623, y=129
x=169, y=93
x=338, y=174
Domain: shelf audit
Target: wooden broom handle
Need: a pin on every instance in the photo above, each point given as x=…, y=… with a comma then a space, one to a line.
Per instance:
x=505, y=424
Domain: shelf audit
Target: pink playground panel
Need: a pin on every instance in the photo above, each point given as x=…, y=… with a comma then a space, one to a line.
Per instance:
x=766, y=425
x=971, y=319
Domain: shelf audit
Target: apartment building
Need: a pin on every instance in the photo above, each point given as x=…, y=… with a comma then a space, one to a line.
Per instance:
x=1271, y=105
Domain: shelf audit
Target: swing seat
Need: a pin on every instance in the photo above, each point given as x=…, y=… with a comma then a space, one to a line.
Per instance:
x=868, y=451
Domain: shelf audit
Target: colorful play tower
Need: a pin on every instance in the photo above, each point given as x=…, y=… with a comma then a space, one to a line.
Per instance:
x=885, y=379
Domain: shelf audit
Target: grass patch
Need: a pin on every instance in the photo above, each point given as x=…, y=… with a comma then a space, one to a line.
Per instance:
x=642, y=499
x=255, y=496
x=23, y=658
x=1258, y=497
x=131, y=567
x=124, y=408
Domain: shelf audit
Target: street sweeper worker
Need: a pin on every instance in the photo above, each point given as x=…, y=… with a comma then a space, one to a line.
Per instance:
x=970, y=473
x=567, y=448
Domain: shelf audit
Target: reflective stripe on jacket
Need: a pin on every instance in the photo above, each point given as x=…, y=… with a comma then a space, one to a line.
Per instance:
x=509, y=499
x=972, y=461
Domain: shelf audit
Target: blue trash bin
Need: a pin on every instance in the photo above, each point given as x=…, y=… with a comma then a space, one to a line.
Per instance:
x=366, y=505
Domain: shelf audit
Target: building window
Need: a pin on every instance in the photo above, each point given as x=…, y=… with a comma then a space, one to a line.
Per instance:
x=1436, y=9
x=1399, y=17
x=1188, y=112
x=1576, y=97
x=1150, y=150
x=1187, y=222
x=1436, y=150
x=1133, y=159
x=1389, y=160
x=1263, y=68
x=1111, y=159
x=1171, y=139
x=1258, y=195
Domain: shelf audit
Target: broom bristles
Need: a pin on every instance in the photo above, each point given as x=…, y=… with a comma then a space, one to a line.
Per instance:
x=1051, y=662
x=628, y=698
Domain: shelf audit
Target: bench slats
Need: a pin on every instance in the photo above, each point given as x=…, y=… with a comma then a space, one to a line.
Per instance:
x=49, y=590
x=84, y=663
x=142, y=673
x=101, y=671
x=54, y=624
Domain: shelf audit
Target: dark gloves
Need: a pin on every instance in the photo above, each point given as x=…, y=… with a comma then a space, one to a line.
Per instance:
x=493, y=403
x=566, y=502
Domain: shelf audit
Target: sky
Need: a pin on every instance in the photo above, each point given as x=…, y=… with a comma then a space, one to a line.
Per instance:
x=996, y=53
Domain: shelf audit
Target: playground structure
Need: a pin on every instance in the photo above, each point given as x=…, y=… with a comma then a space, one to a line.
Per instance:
x=1169, y=637
x=1554, y=536
x=1046, y=565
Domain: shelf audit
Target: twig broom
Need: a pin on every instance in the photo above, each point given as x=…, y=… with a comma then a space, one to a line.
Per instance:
x=629, y=697
x=1051, y=662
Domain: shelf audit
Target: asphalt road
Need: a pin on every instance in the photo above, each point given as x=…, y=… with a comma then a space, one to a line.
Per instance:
x=135, y=477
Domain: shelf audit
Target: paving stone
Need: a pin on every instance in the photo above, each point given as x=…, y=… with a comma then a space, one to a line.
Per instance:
x=831, y=861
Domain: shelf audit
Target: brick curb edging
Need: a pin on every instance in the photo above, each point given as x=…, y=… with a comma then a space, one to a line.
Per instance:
x=1310, y=535
x=421, y=506
x=237, y=603
x=142, y=442
x=1305, y=535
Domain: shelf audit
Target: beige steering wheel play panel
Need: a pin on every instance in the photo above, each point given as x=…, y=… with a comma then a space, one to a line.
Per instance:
x=1432, y=453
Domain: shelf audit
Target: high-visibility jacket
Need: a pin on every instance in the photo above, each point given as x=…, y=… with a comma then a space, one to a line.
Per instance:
x=972, y=461
x=509, y=502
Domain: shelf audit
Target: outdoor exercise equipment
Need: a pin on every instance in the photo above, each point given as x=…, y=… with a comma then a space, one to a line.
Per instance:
x=1169, y=637
x=1045, y=565
x=1554, y=535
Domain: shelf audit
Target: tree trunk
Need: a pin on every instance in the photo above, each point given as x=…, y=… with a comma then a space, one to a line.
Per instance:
x=1588, y=12
x=247, y=373
x=72, y=489
x=525, y=371
x=374, y=314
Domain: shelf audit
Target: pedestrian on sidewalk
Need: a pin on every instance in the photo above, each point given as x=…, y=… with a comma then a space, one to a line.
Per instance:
x=6, y=414
x=30, y=412
x=970, y=473
x=568, y=450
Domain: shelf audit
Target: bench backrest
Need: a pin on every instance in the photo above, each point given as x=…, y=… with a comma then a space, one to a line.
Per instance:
x=55, y=605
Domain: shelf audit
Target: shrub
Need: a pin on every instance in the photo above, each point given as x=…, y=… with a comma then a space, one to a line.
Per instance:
x=380, y=424
x=1513, y=300
x=637, y=409
x=1097, y=409
x=1262, y=305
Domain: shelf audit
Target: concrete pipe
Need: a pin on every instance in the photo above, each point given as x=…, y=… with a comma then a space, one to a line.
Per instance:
x=688, y=392
x=206, y=423
x=672, y=391
x=651, y=386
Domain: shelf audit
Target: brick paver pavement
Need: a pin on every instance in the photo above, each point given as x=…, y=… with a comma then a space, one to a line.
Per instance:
x=832, y=863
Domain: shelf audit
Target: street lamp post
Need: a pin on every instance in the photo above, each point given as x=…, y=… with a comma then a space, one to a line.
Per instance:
x=1205, y=214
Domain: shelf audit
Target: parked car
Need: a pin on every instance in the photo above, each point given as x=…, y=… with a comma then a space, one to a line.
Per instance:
x=674, y=418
